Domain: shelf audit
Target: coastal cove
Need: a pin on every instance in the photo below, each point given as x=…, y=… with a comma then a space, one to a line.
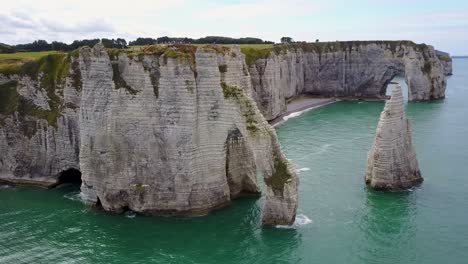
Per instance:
x=339, y=219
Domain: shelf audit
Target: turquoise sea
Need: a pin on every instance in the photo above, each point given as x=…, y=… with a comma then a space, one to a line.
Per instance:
x=339, y=219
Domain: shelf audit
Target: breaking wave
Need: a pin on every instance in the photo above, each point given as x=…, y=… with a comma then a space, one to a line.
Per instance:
x=301, y=220
x=74, y=196
x=292, y=115
x=130, y=214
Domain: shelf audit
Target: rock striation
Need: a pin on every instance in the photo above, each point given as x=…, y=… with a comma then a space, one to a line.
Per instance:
x=446, y=61
x=170, y=131
x=179, y=130
x=357, y=69
x=392, y=163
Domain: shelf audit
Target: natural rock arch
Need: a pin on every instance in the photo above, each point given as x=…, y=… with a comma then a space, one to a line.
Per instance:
x=241, y=171
x=346, y=69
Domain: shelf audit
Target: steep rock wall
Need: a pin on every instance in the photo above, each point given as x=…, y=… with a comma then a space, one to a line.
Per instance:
x=392, y=163
x=168, y=132
x=344, y=69
x=446, y=61
x=39, y=130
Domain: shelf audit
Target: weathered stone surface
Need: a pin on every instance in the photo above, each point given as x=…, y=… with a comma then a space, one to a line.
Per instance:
x=446, y=61
x=34, y=150
x=392, y=163
x=175, y=134
x=346, y=69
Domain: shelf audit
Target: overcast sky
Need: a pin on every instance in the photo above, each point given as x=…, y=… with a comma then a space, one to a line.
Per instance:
x=443, y=24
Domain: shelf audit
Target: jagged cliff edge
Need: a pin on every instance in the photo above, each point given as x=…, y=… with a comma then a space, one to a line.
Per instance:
x=353, y=69
x=174, y=131
x=168, y=131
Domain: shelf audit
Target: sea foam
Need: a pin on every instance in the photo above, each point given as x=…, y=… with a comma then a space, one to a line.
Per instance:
x=301, y=220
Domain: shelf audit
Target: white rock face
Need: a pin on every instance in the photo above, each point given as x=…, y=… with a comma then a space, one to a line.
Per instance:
x=392, y=163
x=157, y=134
x=32, y=150
x=181, y=134
x=346, y=69
x=446, y=61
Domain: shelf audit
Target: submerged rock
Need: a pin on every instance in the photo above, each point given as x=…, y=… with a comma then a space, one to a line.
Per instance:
x=392, y=163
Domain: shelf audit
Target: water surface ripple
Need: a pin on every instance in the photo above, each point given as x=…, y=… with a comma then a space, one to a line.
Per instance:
x=339, y=219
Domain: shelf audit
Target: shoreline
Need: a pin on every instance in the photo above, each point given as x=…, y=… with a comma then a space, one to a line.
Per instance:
x=303, y=104
x=299, y=106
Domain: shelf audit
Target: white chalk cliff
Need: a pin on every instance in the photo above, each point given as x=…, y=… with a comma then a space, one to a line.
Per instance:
x=167, y=132
x=179, y=130
x=392, y=163
x=355, y=69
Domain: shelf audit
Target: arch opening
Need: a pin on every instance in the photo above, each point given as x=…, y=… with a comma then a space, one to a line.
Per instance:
x=241, y=170
x=72, y=176
x=398, y=79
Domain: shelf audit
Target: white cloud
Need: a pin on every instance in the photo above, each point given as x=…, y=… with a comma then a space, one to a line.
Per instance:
x=273, y=10
x=27, y=20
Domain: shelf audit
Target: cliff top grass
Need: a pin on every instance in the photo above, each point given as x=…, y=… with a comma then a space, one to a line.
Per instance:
x=11, y=63
x=254, y=54
x=49, y=69
x=255, y=46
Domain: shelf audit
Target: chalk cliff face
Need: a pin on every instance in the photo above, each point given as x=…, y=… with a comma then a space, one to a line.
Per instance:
x=392, y=163
x=446, y=61
x=168, y=132
x=345, y=69
x=180, y=130
x=39, y=128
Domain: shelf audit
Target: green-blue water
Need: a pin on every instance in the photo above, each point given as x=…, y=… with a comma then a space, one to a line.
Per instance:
x=349, y=223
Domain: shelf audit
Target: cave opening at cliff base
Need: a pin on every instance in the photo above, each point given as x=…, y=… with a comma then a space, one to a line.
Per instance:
x=72, y=176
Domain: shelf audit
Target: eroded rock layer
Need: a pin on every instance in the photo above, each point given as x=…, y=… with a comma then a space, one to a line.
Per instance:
x=171, y=131
x=359, y=69
x=392, y=163
x=180, y=130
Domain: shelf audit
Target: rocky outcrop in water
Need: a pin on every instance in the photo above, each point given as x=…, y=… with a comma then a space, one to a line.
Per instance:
x=392, y=163
x=344, y=69
x=179, y=130
x=169, y=131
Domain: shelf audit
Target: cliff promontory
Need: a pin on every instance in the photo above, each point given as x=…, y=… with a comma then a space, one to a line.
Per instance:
x=392, y=163
x=181, y=130
x=354, y=69
x=165, y=131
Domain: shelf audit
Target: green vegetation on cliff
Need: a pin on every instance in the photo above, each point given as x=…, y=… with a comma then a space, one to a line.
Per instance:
x=8, y=98
x=49, y=70
x=280, y=176
x=253, y=54
x=246, y=105
x=11, y=102
x=119, y=80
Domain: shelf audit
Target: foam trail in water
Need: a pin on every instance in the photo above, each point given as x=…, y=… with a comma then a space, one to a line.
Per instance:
x=5, y=187
x=130, y=214
x=301, y=220
x=74, y=196
x=303, y=169
x=292, y=115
